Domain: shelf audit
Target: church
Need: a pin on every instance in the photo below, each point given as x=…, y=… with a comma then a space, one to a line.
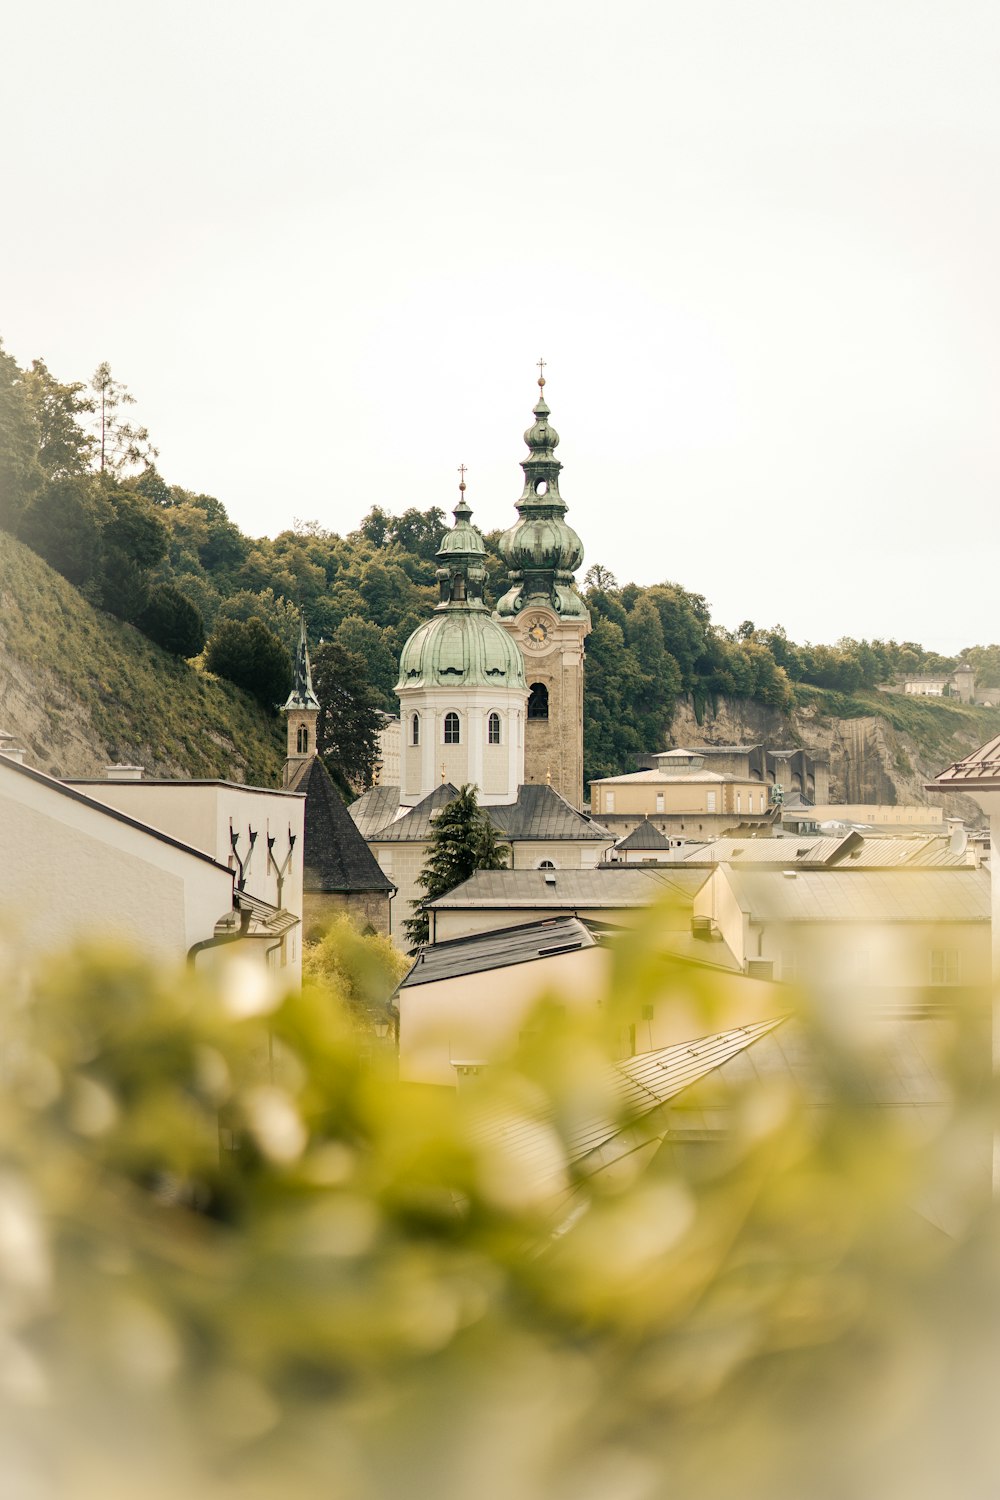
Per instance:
x=495, y=698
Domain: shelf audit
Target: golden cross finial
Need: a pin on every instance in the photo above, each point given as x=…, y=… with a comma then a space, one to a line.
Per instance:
x=548, y=775
x=444, y=773
x=541, y=373
x=461, y=470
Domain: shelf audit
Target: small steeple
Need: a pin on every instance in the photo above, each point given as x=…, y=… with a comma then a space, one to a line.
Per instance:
x=302, y=695
x=461, y=572
x=301, y=709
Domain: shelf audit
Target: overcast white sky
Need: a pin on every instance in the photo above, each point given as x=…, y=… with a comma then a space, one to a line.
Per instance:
x=758, y=244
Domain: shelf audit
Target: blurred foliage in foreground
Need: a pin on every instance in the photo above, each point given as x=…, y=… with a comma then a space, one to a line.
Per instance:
x=364, y=1297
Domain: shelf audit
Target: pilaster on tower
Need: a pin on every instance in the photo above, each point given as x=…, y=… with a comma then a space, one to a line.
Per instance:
x=545, y=614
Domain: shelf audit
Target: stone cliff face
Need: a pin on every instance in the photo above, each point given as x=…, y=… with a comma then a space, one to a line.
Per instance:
x=870, y=760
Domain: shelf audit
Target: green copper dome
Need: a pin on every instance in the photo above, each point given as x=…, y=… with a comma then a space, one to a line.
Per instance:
x=541, y=549
x=461, y=645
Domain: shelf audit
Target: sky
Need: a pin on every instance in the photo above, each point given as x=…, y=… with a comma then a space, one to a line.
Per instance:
x=756, y=243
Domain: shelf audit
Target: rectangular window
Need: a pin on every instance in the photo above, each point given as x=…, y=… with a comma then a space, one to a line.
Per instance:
x=710, y=802
x=659, y=802
x=609, y=801
x=739, y=802
x=944, y=966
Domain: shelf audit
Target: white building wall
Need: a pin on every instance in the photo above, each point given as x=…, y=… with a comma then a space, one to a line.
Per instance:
x=70, y=872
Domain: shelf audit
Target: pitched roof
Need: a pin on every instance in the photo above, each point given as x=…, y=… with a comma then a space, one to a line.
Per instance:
x=792, y=853
x=539, y=814
x=644, y=835
x=862, y=895
x=462, y=956
x=905, y=853
x=336, y=857
x=608, y=886
x=980, y=769
x=634, y=1089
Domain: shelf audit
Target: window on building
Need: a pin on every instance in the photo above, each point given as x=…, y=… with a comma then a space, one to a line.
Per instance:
x=659, y=802
x=609, y=801
x=739, y=802
x=710, y=802
x=303, y=740
x=538, y=702
x=452, y=729
x=493, y=729
x=944, y=966
x=415, y=731
x=546, y=864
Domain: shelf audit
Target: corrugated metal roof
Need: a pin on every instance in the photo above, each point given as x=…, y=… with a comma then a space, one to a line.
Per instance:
x=631, y=1088
x=460, y=957
x=611, y=886
x=787, y=851
x=900, y=1066
x=904, y=853
x=982, y=766
x=862, y=895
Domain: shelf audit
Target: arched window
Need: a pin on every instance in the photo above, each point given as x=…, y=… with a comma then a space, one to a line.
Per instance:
x=538, y=702
x=415, y=731
x=546, y=864
x=452, y=729
x=303, y=740
x=493, y=729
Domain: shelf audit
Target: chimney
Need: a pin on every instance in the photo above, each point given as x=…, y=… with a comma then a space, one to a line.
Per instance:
x=959, y=838
x=123, y=773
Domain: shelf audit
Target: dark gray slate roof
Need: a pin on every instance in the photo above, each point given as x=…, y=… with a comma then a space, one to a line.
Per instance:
x=611, y=886
x=645, y=835
x=499, y=950
x=337, y=859
x=539, y=814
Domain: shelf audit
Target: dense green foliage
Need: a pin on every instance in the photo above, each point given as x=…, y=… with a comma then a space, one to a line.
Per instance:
x=349, y=716
x=253, y=657
x=117, y=529
x=365, y=1294
x=463, y=841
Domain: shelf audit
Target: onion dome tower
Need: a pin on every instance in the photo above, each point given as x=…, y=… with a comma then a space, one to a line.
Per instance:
x=461, y=687
x=546, y=616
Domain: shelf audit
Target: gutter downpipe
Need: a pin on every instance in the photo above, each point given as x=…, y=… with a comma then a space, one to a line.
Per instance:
x=222, y=939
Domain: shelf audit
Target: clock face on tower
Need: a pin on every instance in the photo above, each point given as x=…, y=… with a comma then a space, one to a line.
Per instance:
x=537, y=632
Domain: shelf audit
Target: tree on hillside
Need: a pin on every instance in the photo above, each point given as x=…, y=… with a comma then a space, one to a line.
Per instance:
x=172, y=621
x=251, y=656
x=463, y=841
x=65, y=447
x=64, y=524
x=134, y=540
x=120, y=445
x=348, y=722
x=21, y=475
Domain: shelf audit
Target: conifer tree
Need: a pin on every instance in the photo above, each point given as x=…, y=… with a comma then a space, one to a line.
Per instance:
x=463, y=841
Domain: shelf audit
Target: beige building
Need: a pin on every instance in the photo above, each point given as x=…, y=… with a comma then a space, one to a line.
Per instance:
x=466, y=1003
x=897, y=937
x=692, y=800
x=879, y=814
x=958, y=684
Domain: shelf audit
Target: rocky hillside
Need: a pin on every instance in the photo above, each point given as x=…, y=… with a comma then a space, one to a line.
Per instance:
x=80, y=690
x=882, y=747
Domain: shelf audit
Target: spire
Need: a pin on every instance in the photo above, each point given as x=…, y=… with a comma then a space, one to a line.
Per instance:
x=302, y=695
x=461, y=571
x=541, y=550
